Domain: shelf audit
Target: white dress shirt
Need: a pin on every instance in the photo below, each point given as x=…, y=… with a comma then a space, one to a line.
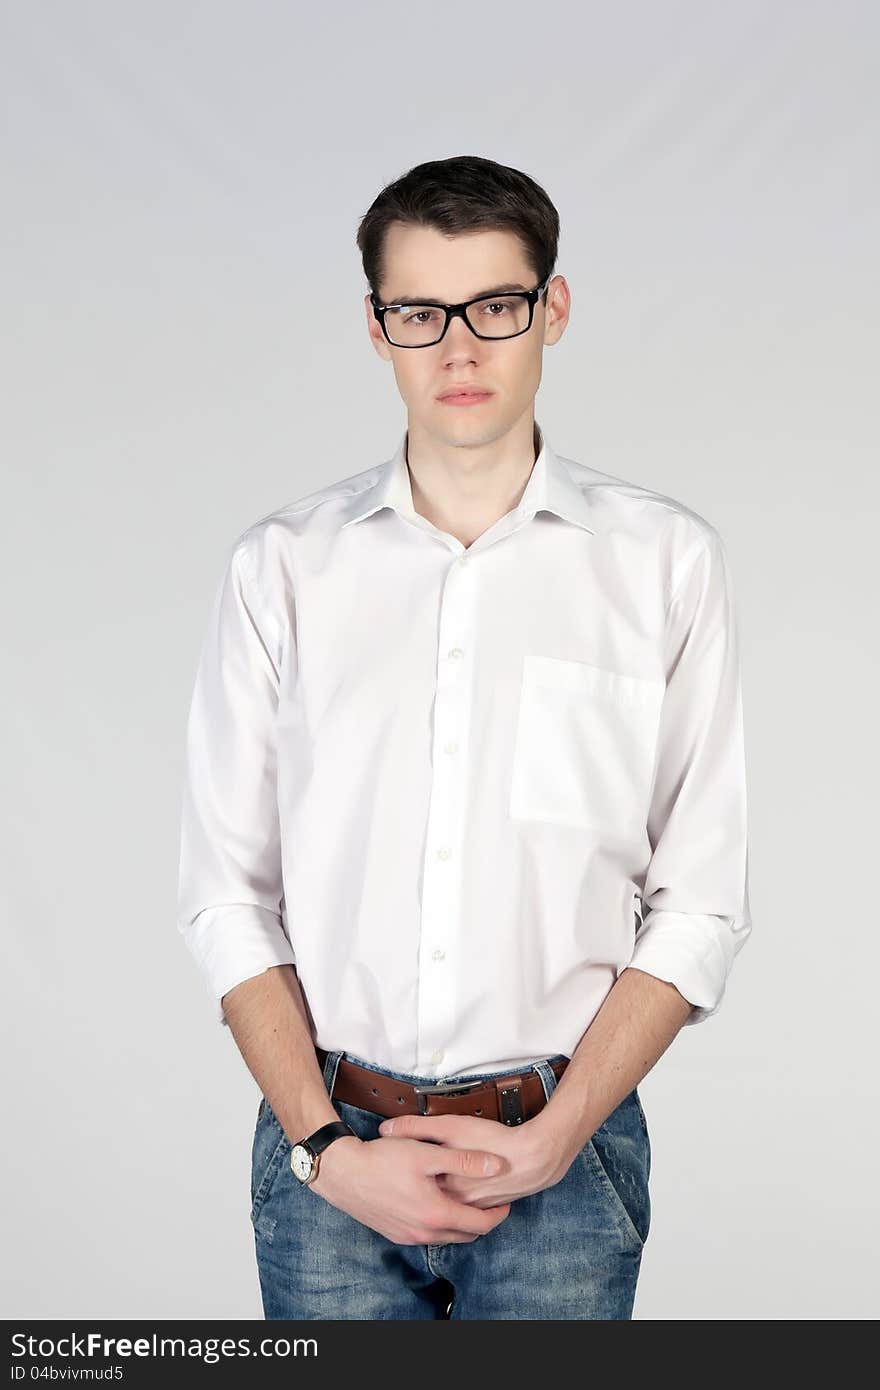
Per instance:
x=462, y=788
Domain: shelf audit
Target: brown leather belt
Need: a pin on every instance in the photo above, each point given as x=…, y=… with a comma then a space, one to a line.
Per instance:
x=511, y=1098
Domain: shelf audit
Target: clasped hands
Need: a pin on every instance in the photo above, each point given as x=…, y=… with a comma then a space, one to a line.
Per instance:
x=526, y=1160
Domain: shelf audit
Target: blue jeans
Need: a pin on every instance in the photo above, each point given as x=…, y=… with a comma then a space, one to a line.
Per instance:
x=572, y=1250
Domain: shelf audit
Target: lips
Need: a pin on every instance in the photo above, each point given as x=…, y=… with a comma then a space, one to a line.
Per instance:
x=463, y=393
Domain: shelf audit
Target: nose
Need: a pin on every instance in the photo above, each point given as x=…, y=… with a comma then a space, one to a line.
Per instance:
x=459, y=342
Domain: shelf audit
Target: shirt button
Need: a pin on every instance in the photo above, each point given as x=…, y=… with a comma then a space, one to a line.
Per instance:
x=451, y=747
x=456, y=652
x=437, y=1056
x=438, y=955
x=444, y=853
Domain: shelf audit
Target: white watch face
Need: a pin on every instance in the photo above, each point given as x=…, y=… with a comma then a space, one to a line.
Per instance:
x=301, y=1162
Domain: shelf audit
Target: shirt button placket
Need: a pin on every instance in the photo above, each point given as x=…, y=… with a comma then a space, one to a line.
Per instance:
x=441, y=888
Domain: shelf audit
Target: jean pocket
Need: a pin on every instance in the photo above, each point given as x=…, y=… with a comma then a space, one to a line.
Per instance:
x=644, y=1127
x=585, y=746
x=270, y=1153
x=618, y=1158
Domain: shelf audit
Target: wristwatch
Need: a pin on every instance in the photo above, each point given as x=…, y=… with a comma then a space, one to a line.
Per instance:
x=305, y=1156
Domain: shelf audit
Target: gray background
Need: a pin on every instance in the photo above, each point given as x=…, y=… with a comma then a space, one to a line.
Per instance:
x=184, y=349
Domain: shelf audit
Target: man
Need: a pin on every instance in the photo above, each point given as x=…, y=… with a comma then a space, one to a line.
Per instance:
x=464, y=803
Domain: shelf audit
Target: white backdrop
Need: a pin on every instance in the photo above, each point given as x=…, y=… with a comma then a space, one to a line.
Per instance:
x=183, y=321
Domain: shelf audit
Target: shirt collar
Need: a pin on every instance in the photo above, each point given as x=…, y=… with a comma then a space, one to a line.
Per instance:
x=550, y=487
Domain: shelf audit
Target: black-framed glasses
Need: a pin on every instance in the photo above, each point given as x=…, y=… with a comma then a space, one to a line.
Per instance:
x=490, y=316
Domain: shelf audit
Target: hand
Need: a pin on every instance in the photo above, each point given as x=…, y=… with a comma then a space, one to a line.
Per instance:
x=529, y=1162
x=394, y=1188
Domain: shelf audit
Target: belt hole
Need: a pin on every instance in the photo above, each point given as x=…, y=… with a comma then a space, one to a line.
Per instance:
x=479, y=1110
x=375, y=1091
x=402, y=1100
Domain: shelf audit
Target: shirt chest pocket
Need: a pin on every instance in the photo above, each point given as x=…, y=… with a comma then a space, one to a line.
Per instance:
x=585, y=745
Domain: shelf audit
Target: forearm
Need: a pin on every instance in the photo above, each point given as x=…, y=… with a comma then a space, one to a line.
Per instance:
x=267, y=1017
x=636, y=1023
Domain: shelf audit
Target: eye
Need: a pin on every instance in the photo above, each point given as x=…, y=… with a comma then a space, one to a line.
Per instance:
x=417, y=316
x=497, y=308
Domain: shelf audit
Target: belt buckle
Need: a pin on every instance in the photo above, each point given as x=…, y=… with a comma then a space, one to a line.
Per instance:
x=444, y=1088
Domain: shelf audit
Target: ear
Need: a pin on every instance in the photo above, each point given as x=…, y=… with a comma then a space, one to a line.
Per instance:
x=557, y=311
x=374, y=328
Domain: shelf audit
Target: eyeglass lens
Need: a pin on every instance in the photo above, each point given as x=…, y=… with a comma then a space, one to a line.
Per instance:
x=418, y=325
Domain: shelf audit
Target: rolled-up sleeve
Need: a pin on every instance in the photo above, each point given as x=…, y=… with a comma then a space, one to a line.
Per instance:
x=695, y=898
x=230, y=893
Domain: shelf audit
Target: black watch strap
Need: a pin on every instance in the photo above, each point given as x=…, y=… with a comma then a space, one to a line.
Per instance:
x=336, y=1129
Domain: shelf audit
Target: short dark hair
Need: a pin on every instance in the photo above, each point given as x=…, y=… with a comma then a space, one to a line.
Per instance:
x=462, y=194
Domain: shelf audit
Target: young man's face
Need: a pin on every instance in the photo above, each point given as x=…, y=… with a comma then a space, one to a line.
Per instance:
x=420, y=262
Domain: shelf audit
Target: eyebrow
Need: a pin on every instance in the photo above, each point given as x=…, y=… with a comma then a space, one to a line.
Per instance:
x=510, y=288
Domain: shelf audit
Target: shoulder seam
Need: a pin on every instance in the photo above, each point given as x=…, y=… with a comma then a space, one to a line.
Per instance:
x=643, y=494
x=297, y=509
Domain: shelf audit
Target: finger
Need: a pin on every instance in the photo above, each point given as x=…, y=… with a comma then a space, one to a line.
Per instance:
x=416, y=1126
x=473, y=1163
x=462, y=1193
x=476, y=1221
